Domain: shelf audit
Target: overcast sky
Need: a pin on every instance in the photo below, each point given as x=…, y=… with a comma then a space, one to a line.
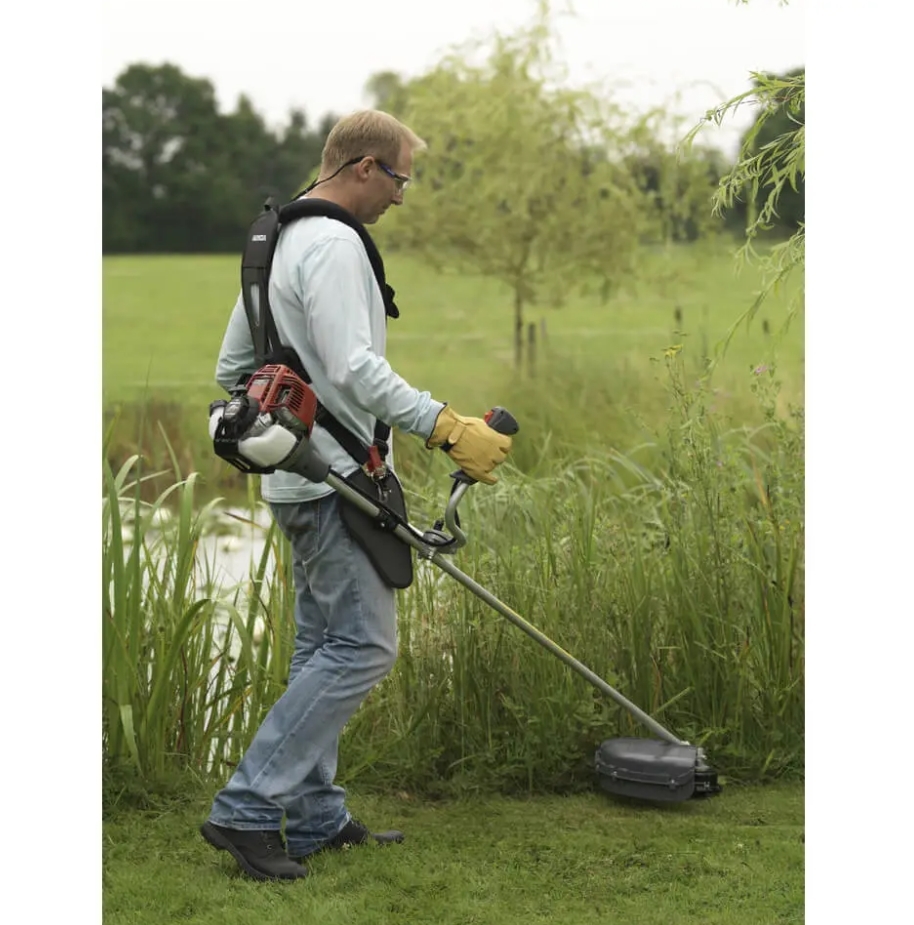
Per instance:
x=318, y=56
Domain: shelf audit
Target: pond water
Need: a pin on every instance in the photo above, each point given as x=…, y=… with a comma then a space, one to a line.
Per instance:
x=233, y=548
x=229, y=552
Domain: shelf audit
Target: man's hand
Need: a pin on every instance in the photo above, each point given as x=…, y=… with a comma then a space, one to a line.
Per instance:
x=471, y=443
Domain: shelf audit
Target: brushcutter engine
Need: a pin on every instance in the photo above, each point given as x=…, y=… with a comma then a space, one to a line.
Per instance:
x=265, y=419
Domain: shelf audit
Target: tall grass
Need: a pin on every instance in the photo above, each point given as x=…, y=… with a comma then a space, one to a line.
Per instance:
x=674, y=570
x=184, y=683
x=681, y=583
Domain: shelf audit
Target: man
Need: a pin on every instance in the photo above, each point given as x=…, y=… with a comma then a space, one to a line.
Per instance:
x=329, y=308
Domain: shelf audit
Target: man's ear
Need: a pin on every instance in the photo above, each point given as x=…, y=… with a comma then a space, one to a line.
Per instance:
x=364, y=167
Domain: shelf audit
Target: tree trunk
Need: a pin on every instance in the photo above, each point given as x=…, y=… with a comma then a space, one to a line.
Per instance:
x=518, y=329
x=531, y=350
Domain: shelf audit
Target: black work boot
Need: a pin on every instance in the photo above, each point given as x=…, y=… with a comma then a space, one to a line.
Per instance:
x=260, y=854
x=354, y=833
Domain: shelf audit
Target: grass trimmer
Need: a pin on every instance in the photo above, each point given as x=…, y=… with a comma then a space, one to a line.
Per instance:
x=268, y=426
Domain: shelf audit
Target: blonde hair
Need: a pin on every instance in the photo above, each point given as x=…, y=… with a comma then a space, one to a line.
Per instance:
x=367, y=132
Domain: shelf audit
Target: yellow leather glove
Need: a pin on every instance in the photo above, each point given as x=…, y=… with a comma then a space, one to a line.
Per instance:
x=471, y=443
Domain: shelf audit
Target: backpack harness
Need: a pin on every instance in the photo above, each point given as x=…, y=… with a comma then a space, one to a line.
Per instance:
x=256, y=263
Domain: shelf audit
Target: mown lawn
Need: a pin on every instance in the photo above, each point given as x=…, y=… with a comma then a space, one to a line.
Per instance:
x=738, y=858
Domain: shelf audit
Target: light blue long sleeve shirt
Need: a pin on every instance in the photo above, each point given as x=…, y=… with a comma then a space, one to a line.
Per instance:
x=328, y=308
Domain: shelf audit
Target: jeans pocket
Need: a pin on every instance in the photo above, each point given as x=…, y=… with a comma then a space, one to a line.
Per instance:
x=298, y=521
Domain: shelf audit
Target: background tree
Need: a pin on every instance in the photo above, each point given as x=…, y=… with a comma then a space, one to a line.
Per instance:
x=179, y=176
x=387, y=91
x=160, y=144
x=298, y=153
x=783, y=116
x=678, y=182
x=524, y=181
x=770, y=167
x=547, y=188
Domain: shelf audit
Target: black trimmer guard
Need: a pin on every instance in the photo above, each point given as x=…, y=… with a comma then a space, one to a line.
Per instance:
x=649, y=769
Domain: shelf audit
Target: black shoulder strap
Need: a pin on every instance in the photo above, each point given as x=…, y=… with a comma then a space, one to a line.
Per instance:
x=256, y=263
x=302, y=208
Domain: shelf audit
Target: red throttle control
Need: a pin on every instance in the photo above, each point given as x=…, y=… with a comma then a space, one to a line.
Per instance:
x=501, y=420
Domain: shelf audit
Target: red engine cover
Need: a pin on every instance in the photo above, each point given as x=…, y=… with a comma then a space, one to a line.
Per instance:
x=277, y=389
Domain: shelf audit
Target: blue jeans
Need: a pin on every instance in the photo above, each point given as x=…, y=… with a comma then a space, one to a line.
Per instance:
x=345, y=643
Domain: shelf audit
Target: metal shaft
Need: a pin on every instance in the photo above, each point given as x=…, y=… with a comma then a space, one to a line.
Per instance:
x=446, y=565
x=413, y=538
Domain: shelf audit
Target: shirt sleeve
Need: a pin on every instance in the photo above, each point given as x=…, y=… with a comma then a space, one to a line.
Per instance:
x=338, y=329
x=236, y=355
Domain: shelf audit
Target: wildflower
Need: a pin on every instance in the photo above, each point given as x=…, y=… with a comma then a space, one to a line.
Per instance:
x=760, y=369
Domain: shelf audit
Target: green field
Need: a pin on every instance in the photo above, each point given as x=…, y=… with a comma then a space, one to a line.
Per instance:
x=487, y=861
x=164, y=318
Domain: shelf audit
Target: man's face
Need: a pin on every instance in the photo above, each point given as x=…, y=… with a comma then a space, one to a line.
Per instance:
x=383, y=189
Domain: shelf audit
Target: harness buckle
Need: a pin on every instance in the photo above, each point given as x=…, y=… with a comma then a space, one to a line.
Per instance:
x=375, y=468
